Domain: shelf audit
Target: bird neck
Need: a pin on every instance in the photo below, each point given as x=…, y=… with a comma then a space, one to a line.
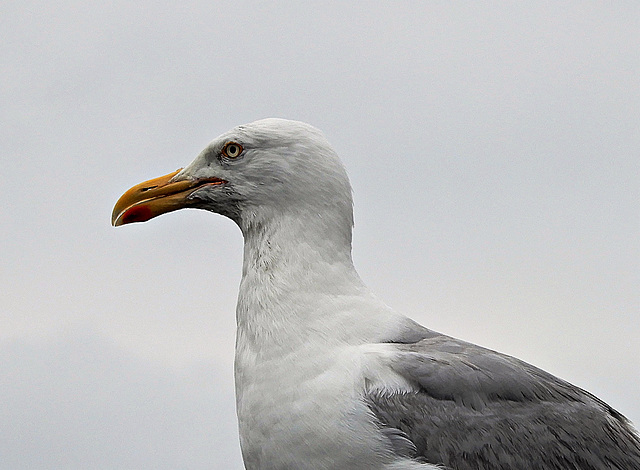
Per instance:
x=293, y=267
x=296, y=241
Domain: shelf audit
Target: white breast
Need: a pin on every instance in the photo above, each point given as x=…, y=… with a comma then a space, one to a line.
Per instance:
x=304, y=355
x=304, y=410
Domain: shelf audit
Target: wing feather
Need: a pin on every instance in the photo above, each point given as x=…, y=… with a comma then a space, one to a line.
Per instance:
x=473, y=408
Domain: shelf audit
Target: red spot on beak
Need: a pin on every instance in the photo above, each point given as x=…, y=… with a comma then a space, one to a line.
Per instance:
x=140, y=213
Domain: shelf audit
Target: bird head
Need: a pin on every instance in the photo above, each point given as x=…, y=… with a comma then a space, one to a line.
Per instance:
x=250, y=174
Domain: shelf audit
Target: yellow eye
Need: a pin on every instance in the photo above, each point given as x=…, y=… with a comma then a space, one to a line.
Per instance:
x=232, y=150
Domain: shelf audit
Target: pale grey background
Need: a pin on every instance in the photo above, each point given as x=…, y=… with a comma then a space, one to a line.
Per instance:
x=493, y=150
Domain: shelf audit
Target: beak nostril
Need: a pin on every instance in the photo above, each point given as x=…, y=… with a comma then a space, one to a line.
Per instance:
x=142, y=190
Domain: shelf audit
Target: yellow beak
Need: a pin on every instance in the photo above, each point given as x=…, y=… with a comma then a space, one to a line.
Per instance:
x=154, y=197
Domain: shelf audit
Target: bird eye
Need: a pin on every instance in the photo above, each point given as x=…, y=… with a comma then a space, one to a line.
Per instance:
x=232, y=150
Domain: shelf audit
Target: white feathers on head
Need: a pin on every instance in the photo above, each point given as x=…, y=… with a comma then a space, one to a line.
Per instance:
x=286, y=167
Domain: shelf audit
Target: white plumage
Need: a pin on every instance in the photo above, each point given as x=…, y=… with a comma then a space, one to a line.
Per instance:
x=327, y=376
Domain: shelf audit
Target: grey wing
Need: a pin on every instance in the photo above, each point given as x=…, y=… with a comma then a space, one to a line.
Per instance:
x=474, y=408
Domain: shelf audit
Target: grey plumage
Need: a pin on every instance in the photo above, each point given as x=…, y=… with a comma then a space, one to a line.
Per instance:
x=478, y=409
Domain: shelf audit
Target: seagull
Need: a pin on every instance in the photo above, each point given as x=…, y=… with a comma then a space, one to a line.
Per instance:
x=327, y=376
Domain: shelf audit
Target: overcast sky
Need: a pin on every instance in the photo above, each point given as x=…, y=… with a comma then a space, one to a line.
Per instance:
x=494, y=153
